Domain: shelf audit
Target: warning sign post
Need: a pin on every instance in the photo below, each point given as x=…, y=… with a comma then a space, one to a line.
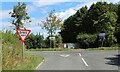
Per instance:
x=23, y=34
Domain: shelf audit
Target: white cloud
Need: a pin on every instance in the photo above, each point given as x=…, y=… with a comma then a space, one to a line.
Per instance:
x=112, y=1
x=30, y=8
x=6, y=26
x=41, y=3
x=49, y=2
x=4, y=14
x=64, y=15
x=88, y=4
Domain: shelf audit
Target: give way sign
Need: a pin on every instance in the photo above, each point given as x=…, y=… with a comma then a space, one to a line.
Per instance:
x=23, y=34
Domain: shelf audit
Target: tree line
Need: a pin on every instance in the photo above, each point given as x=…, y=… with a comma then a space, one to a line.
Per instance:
x=86, y=24
x=83, y=27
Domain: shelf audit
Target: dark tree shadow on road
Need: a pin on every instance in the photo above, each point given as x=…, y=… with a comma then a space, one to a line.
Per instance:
x=114, y=60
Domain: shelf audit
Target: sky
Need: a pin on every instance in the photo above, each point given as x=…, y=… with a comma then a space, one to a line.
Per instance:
x=38, y=11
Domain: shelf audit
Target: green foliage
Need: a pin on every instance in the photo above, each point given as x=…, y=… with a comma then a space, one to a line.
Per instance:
x=11, y=50
x=35, y=41
x=58, y=40
x=104, y=48
x=20, y=15
x=99, y=17
x=52, y=23
x=117, y=33
x=72, y=26
x=33, y=62
x=50, y=49
x=87, y=40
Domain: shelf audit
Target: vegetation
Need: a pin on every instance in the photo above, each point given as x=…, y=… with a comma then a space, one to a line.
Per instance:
x=11, y=54
x=0, y=51
x=38, y=41
x=52, y=23
x=100, y=17
x=50, y=49
x=104, y=48
x=87, y=40
x=35, y=41
x=11, y=51
x=20, y=15
x=31, y=64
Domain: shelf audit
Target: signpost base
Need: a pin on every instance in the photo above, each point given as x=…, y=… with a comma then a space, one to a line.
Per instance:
x=23, y=54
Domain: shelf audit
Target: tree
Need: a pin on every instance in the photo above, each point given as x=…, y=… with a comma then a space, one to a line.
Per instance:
x=73, y=26
x=58, y=41
x=107, y=23
x=52, y=23
x=87, y=40
x=35, y=41
x=99, y=17
x=20, y=15
x=117, y=34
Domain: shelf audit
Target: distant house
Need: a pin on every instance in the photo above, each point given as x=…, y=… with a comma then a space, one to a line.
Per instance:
x=70, y=45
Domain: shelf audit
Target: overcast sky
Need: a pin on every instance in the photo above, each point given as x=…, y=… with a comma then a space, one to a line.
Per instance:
x=38, y=10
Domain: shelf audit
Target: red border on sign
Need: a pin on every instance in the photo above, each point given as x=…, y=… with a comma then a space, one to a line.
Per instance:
x=19, y=33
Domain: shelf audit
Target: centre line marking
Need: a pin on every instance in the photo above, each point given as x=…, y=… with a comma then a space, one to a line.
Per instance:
x=84, y=62
x=80, y=54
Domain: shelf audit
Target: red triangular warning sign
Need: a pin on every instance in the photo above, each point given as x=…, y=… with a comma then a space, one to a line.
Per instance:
x=23, y=34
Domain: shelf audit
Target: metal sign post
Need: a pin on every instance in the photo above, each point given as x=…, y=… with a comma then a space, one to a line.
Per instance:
x=23, y=53
x=51, y=39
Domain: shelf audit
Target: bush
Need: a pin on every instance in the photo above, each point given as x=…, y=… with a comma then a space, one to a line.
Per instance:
x=87, y=40
x=35, y=41
x=11, y=50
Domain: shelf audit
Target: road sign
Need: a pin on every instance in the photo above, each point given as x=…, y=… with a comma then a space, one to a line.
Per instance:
x=52, y=38
x=102, y=34
x=23, y=34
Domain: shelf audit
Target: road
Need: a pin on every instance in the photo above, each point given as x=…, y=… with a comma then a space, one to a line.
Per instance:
x=79, y=60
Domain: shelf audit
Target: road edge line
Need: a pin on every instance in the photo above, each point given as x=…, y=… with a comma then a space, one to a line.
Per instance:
x=40, y=64
x=84, y=62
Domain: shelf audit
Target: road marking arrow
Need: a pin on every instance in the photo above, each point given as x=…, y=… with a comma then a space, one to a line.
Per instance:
x=64, y=55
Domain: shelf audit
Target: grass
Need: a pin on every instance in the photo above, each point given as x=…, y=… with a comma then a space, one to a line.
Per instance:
x=49, y=49
x=104, y=48
x=67, y=49
x=30, y=64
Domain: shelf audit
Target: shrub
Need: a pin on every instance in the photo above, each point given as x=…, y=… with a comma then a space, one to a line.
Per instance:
x=35, y=41
x=87, y=40
x=11, y=50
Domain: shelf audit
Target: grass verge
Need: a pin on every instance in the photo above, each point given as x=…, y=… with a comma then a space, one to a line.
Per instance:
x=49, y=49
x=31, y=63
x=104, y=48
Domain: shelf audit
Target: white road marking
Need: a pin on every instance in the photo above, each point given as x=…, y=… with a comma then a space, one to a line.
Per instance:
x=64, y=55
x=84, y=62
x=40, y=64
x=80, y=54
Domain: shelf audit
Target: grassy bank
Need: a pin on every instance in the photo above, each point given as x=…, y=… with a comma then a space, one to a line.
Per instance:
x=31, y=63
x=104, y=48
x=49, y=49
x=12, y=52
x=67, y=49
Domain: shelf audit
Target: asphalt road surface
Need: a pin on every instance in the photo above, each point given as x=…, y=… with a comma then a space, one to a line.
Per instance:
x=79, y=60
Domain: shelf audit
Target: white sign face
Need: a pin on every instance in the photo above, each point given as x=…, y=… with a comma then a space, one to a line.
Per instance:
x=23, y=34
x=52, y=38
x=101, y=34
